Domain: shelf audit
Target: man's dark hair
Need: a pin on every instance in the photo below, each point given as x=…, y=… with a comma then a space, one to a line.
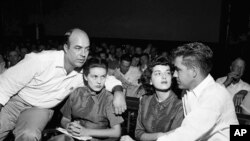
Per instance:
x=66, y=37
x=195, y=54
x=126, y=57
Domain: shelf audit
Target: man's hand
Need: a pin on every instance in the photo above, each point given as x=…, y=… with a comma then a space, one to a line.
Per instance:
x=239, y=96
x=76, y=129
x=231, y=77
x=119, y=102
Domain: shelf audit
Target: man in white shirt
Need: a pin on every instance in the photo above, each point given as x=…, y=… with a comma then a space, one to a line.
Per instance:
x=128, y=75
x=41, y=81
x=208, y=107
x=233, y=82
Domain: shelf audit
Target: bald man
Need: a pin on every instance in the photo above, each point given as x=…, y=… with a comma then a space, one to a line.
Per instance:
x=233, y=82
x=41, y=81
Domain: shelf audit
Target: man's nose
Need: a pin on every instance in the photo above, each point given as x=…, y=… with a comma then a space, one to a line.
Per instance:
x=175, y=74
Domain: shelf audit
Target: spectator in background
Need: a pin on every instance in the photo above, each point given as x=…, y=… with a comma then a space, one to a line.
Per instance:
x=144, y=61
x=23, y=52
x=30, y=89
x=138, y=50
x=208, y=107
x=2, y=64
x=103, y=55
x=135, y=60
x=89, y=110
x=233, y=82
x=128, y=75
x=13, y=58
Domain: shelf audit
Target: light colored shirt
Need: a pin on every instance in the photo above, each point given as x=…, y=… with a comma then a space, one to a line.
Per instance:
x=129, y=80
x=234, y=88
x=209, y=112
x=41, y=80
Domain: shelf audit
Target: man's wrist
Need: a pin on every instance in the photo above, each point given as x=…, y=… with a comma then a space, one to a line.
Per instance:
x=117, y=88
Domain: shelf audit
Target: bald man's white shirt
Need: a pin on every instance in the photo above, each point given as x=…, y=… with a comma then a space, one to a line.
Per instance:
x=234, y=88
x=41, y=80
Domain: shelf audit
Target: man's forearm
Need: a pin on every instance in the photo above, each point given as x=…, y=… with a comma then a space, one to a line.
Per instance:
x=117, y=88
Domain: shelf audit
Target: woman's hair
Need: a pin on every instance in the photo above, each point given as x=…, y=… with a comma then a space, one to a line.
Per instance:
x=146, y=75
x=92, y=63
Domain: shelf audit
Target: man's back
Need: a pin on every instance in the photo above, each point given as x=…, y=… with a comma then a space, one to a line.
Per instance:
x=44, y=81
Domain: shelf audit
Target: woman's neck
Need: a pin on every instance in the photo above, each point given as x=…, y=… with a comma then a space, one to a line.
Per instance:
x=161, y=95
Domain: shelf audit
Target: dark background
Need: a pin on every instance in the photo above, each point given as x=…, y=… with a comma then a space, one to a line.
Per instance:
x=165, y=23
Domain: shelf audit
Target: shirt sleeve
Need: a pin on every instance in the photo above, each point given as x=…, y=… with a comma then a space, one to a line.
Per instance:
x=18, y=76
x=111, y=82
x=113, y=119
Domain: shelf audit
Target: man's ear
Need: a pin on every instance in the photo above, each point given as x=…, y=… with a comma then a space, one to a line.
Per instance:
x=194, y=71
x=150, y=82
x=65, y=47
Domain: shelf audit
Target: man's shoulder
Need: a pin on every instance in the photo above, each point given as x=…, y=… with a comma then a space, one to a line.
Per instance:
x=216, y=90
x=135, y=69
x=221, y=79
x=47, y=55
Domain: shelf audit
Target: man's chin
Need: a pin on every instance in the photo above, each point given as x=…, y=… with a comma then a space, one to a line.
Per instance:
x=79, y=65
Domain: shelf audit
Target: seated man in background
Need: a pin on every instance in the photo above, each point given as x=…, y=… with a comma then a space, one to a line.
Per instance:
x=89, y=111
x=128, y=75
x=2, y=64
x=13, y=58
x=233, y=82
x=33, y=87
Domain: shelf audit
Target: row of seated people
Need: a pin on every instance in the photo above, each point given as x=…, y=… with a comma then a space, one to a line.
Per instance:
x=159, y=110
x=191, y=76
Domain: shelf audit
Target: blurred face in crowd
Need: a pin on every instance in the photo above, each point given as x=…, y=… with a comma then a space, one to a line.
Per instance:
x=135, y=61
x=184, y=75
x=238, y=66
x=138, y=50
x=103, y=55
x=2, y=63
x=161, y=77
x=144, y=59
x=77, y=49
x=124, y=66
x=14, y=58
x=118, y=52
x=23, y=51
x=96, y=78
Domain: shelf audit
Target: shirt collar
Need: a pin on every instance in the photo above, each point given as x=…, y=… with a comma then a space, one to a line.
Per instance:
x=60, y=63
x=199, y=88
x=166, y=102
